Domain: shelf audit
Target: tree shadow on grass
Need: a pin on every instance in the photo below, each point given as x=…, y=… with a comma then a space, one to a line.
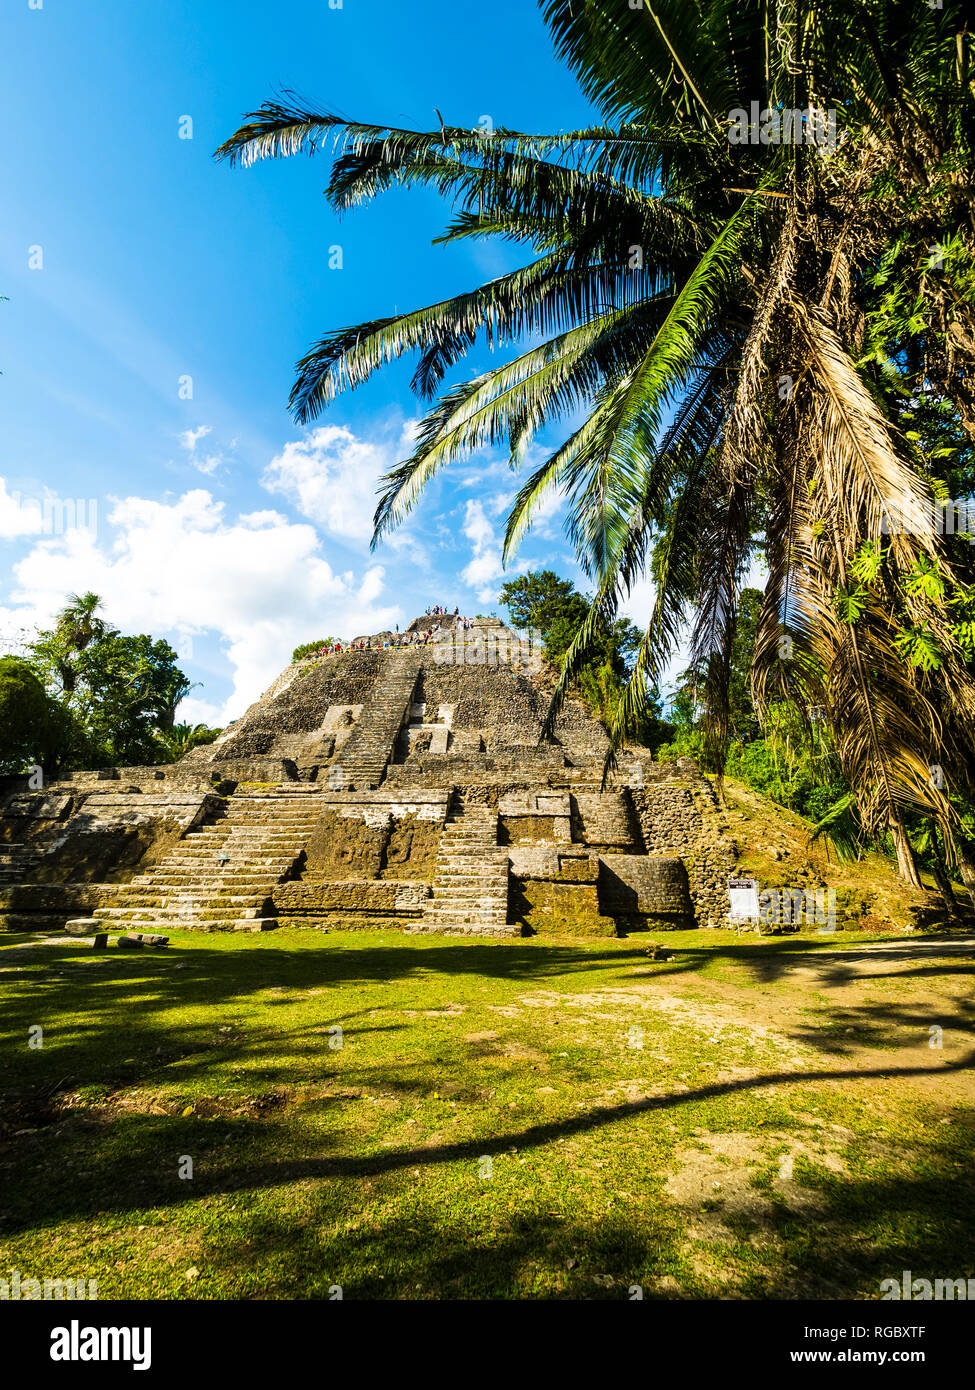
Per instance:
x=115, y=1018
x=134, y=1158
x=868, y=1229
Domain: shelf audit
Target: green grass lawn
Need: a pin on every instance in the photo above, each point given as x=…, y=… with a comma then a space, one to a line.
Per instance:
x=532, y=1119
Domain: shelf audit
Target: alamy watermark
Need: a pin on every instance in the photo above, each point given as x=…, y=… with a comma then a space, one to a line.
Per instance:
x=916, y=515
x=781, y=907
x=54, y=516
x=17, y=1287
x=926, y=1290
x=523, y=651
x=798, y=907
x=778, y=125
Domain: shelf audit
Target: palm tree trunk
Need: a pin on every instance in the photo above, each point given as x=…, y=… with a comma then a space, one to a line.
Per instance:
x=967, y=870
x=940, y=875
x=906, y=866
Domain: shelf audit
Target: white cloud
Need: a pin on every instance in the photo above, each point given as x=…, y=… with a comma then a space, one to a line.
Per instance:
x=19, y=515
x=498, y=485
x=332, y=478
x=477, y=528
x=485, y=569
x=190, y=438
x=372, y=584
x=208, y=463
x=184, y=569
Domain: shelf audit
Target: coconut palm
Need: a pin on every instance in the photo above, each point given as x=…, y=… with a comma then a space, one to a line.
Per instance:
x=76, y=627
x=180, y=739
x=733, y=324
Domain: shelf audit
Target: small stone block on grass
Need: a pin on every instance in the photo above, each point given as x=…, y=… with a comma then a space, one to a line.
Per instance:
x=135, y=941
x=82, y=926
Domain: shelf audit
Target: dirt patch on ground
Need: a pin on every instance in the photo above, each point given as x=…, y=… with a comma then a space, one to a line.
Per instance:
x=714, y=1182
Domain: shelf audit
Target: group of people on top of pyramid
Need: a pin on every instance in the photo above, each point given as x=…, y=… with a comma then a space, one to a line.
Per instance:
x=400, y=639
x=439, y=611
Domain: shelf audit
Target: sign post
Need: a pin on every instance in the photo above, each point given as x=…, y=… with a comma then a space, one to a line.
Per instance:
x=743, y=903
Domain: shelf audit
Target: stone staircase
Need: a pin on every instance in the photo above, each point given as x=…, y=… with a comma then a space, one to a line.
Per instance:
x=221, y=876
x=16, y=861
x=372, y=742
x=470, y=887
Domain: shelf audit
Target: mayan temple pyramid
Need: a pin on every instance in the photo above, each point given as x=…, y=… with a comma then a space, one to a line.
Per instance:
x=401, y=782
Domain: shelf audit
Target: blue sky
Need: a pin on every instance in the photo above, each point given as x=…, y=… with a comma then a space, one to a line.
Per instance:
x=133, y=262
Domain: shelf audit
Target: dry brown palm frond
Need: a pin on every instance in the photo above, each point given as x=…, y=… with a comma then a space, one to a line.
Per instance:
x=746, y=432
x=774, y=672
x=724, y=550
x=887, y=732
x=858, y=464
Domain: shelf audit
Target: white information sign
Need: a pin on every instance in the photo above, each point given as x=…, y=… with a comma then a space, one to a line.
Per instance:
x=743, y=898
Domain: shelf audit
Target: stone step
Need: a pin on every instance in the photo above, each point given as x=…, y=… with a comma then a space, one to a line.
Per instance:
x=195, y=914
x=241, y=848
x=177, y=893
x=305, y=796
x=208, y=863
x=202, y=858
x=201, y=848
x=487, y=845
x=472, y=918
x=493, y=906
x=491, y=883
x=173, y=882
x=271, y=823
x=440, y=906
x=468, y=911
x=273, y=835
x=192, y=867
x=448, y=861
x=248, y=832
x=485, y=861
x=273, y=827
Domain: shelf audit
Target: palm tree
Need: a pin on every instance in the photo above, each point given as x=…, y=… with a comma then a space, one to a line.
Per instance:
x=180, y=739
x=735, y=322
x=76, y=627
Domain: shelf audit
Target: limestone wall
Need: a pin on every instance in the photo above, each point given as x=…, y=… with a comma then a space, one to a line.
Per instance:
x=678, y=814
x=377, y=835
x=351, y=904
x=104, y=833
x=584, y=893
x=47, y=906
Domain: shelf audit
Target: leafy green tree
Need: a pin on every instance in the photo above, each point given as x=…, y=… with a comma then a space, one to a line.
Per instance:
x=310, y=648
x=541, y=599
x=75, y=628
x=553, y=607
x=183, y=738
x=34, y=729
x=121, y=692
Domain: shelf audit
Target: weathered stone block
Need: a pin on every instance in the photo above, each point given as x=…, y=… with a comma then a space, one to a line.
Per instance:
x=82, y=926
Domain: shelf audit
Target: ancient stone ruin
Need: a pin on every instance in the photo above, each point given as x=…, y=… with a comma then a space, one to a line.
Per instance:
x=401, y=782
